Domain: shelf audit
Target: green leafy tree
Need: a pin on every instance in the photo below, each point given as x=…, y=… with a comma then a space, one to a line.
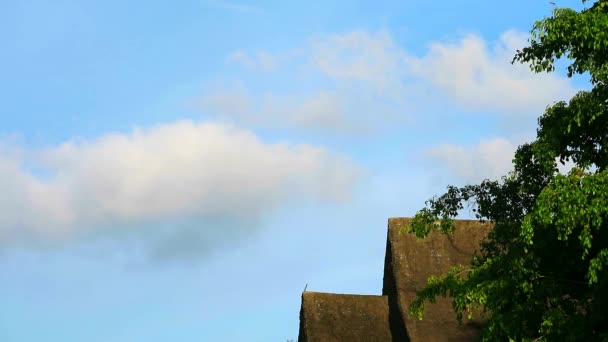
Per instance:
x=542, y=272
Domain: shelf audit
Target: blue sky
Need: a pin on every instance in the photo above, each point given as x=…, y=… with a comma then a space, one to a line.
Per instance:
x=180, y=171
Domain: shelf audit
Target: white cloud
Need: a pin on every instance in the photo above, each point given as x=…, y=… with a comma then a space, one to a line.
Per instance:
x=325, y=111
x=483, y=79
x=362, y=57
x=366, y=79
x=183, y=169
x=491, y=158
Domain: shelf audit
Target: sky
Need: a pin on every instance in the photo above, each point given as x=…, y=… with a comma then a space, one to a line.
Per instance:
x=180, y=171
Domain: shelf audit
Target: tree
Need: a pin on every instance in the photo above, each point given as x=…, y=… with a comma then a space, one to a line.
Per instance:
x=542, y=272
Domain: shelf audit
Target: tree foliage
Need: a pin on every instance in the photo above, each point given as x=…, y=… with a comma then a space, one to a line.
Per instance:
x=542, y=273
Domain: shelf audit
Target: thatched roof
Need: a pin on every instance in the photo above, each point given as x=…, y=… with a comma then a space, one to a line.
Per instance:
x=328, y=317
x=408, y=264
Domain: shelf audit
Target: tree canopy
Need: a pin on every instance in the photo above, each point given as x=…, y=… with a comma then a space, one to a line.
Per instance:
x=542, y=272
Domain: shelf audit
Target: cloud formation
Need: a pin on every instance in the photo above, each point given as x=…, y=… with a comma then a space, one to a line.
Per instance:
x=325, y=111
x=483, y=79
x=364, y=58
x=183, y=169
x=366, y=79
x=488, y=159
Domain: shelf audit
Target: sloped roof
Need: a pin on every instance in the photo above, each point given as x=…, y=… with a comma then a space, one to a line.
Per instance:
x=409, y=262
x=326, y=317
